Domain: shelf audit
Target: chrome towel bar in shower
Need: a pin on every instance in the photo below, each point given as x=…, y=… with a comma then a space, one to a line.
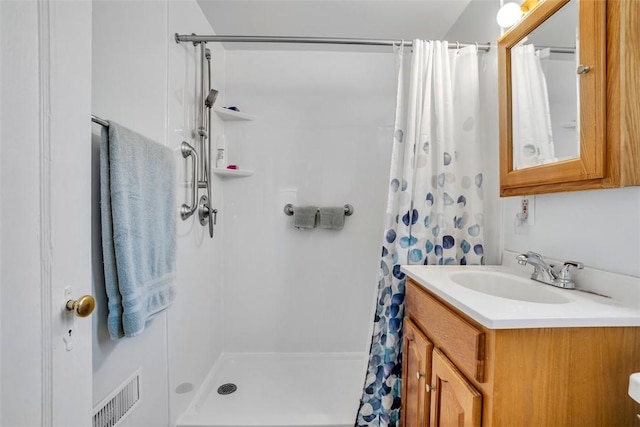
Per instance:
x=288, y=209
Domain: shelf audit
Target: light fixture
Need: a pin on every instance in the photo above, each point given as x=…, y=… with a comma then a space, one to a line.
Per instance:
x=510, y=13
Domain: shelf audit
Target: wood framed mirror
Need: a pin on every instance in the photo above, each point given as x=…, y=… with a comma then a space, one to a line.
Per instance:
x=531, y=161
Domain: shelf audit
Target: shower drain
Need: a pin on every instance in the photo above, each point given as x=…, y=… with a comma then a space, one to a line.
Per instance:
x=227, y=388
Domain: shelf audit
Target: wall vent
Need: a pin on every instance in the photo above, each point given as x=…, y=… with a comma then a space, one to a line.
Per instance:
x=119, y=404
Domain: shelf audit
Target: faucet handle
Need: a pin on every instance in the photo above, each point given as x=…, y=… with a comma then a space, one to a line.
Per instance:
x=564, y=277
x=576, y=264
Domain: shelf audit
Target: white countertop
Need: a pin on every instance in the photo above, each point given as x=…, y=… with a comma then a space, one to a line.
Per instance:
x=583, y=308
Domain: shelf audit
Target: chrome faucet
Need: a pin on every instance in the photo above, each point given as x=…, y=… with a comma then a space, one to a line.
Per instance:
x=544, y=273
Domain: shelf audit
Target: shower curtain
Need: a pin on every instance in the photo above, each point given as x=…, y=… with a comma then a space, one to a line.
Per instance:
x=434, y=207
x=532, y=136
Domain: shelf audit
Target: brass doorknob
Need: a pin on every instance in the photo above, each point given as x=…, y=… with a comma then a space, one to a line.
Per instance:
x=83, y=306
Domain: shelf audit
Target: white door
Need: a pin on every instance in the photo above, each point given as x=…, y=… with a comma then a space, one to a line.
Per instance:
x=45, y=210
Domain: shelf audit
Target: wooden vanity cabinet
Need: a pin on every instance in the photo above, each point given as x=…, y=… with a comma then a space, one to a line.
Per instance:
x=416, y=374
x=454, y=401
x=560, y=377
x=434, y=391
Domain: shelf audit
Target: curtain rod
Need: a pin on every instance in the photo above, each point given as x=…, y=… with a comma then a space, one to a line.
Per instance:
x=195, y=39
x=554, y=49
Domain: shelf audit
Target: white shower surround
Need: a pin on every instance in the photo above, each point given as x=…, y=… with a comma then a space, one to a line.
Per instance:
x=322, y=136
x=298, y=304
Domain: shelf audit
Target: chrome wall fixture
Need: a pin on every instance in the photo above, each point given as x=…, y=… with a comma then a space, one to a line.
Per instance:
x=289, y=208
x=194, y=38
x=188, y=151
x=201, y=165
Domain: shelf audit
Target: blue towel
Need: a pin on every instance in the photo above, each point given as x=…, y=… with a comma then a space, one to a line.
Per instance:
x=138, y=212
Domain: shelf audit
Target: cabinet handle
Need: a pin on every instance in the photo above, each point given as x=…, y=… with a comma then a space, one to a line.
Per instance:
x=430, y=388
x=583, y=69
x=419, y=375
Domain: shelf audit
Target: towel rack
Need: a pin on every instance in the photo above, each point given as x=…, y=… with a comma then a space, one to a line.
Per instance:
x=288, y=209
x=98, y=120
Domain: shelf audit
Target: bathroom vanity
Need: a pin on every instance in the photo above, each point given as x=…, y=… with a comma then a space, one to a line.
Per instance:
x=535, y=356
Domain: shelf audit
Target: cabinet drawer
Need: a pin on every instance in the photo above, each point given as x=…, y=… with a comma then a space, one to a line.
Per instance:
x=463, y=343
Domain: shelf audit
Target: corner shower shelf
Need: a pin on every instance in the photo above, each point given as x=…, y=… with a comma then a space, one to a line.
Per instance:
x=231, y=115
x=231, y=173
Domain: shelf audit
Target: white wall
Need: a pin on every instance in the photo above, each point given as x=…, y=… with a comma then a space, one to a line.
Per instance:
x=129, y=87
x=600, y=228
x=322, y=136
x=143, y=80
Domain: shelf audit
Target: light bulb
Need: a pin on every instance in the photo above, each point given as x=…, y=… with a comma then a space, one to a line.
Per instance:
x=509, y=14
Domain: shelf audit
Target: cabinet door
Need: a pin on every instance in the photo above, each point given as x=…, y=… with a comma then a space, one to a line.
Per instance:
x=455, y=402
x=416, y=370
x=587, y=168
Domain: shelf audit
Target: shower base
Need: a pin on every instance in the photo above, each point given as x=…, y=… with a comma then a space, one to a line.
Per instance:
x=280, y=390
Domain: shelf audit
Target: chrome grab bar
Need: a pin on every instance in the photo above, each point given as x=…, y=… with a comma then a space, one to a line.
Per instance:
x=185, y=210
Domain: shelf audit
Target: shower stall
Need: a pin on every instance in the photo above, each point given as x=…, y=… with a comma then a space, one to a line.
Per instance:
x=314, y=128
x=283, y=314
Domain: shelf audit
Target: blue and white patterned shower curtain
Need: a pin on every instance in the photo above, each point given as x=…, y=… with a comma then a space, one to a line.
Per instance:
x=434, y=207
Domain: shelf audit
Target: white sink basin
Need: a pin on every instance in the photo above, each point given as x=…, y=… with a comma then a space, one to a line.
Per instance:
x=634, y=386
x=508, y=286
x=504, y=296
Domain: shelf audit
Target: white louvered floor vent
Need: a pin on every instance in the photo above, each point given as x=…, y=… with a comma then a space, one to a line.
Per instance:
x=119, y=404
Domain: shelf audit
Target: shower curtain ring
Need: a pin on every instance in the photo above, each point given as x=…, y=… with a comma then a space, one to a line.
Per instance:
x=458, y=45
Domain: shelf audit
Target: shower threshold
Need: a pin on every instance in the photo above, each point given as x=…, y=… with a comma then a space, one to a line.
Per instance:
x=280, y=390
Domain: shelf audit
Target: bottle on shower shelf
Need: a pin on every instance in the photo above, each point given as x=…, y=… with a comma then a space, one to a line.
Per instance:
x=220, y=157
x=220, y=161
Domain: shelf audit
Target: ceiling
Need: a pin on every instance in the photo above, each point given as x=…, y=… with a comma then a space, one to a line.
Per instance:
x=379, y=19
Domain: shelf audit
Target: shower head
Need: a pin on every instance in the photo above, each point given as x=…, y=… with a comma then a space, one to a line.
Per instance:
x=211, y=98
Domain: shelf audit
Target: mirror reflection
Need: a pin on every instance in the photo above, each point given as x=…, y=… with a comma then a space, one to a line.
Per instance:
x=545, y=92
